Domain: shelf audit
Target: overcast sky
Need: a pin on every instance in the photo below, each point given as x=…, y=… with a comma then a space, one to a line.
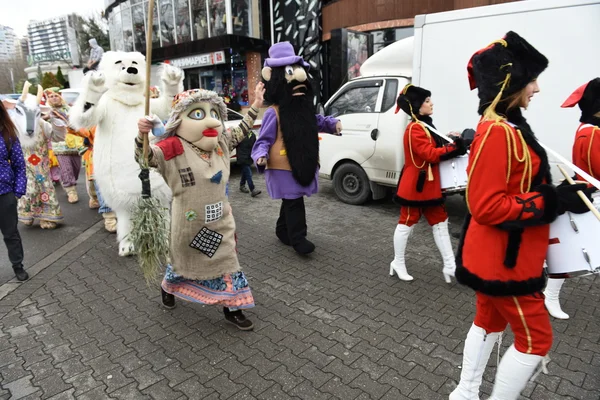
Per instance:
x=17, y=13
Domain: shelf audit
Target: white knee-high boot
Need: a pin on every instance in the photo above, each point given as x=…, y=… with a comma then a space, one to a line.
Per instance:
x=552, y=293
x=442, y=240
x=514, y=371
x=477, y=351
x=398, y=265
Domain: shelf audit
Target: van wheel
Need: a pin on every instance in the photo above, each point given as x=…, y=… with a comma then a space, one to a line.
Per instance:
x=351, y=184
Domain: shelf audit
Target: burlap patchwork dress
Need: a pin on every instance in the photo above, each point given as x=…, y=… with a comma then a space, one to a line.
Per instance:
x=204, y=264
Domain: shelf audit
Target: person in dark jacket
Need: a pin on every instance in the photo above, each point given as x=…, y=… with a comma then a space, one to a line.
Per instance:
x=245, y=161
x=13, y=184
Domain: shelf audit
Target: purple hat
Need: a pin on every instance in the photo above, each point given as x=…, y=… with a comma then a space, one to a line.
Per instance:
x=282, y=54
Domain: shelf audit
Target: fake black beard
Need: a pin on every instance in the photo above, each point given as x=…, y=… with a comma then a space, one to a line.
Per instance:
x=300, y=136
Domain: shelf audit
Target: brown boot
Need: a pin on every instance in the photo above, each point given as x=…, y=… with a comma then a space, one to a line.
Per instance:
x=93, y=204
x=47, y=224
x=110, y=221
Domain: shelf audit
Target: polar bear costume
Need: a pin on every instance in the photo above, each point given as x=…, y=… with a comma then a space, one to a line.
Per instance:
x=112, y=99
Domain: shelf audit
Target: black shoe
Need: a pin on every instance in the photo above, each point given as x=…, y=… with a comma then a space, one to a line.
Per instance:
x=168, y=300
x=238, y=319
x=244, y=189
x=304, y=247
x=255, y=193
x=21, y=274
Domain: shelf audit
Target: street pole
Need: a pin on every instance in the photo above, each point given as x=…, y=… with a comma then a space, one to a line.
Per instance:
x=272, y=26
x=12, y=80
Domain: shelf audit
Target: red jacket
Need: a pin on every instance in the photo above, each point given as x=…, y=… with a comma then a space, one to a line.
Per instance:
x=419, y=184
x=505, y=237
x=586, y=150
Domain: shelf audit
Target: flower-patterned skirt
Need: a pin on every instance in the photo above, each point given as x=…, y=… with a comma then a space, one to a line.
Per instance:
x=229, y=290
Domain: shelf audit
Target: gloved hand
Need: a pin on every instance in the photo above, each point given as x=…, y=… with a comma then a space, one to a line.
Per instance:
x=569, y=200
x=468, y=135
x=461, y=147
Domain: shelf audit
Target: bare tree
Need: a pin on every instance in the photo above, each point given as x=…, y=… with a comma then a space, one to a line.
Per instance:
x=17, y=65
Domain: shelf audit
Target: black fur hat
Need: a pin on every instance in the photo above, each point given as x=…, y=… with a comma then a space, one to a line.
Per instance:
x=411, y=99
x=489, y=67
x=588, y=98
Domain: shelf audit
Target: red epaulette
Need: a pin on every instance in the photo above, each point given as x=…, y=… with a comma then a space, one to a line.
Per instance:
x=171, y=147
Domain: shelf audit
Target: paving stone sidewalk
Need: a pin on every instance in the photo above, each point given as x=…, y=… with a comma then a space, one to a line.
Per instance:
x=333, y=325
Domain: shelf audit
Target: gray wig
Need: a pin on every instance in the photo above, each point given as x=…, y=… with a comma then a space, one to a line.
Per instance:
x=185, y=99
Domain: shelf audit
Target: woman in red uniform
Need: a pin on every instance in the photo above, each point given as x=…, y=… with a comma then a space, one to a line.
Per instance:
x=511, y=202
x=419, y=191
x=586, y=155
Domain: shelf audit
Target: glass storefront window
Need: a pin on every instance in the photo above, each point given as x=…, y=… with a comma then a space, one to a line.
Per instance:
x=111, y=29
x=155, y=27
x=167, y=23
x=139, y=30
x=117, y=32
x=218, y=18
x=127, y=29
x=240, y=17
x=182, y=21
x=199, y=19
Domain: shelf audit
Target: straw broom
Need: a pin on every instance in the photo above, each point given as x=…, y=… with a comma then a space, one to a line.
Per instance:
x=149, y=234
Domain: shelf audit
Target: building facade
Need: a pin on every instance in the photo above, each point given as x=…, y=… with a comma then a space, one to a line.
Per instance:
x=8, y=43
x=53, y=41
x=353, y=30
x=219, y=43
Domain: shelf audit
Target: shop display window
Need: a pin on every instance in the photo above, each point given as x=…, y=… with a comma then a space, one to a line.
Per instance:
x=127, y=29
x=182, y=21
x=117, y=29
x=167, y=23
x=139, y=27
x=218, y=18
x=200, y=19
x=240, y=13
x=155, y=27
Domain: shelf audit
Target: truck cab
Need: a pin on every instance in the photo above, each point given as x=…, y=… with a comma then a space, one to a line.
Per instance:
x=367, y=159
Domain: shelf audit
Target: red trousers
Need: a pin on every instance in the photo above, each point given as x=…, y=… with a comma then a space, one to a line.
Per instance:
x=527, y=316
x=411, y=215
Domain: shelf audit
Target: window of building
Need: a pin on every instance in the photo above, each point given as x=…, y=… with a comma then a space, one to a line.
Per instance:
x=218, y=18
x=139, y=27
x=155, y=27
x=200, y=19
x=167, y=23
x=240, y=13
x=386, y=37
x=182, y=20
x=127, y=29
x=116, y=30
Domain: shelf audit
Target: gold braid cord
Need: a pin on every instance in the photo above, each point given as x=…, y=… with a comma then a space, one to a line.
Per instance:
x=512, y=149
x=430, y=172
x=589, y=153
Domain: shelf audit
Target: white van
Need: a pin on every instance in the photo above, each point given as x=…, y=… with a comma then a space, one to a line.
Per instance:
x=367, y=159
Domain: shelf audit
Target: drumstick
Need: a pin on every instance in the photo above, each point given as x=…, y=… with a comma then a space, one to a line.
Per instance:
x=582, y=196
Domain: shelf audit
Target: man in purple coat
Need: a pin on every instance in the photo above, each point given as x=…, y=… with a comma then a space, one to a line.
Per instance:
x=287, y=148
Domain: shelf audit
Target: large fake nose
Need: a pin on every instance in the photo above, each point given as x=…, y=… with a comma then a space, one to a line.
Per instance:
x=213, y=123
x=300, y=74
x=132, y=70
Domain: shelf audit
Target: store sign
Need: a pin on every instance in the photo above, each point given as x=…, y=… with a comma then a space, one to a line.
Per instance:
x=200, y=60
x=59, y=55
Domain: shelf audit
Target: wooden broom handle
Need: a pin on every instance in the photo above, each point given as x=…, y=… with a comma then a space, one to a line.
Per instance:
x=582, y=196
x=148, y=71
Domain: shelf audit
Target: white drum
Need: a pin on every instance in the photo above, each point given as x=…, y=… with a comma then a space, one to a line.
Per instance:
x=453, y=174
x=573, y=248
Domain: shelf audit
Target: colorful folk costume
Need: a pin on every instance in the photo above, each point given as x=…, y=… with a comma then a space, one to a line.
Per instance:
x=511, y=202
x=287, y=148
x=194, y=160
x=67, y=150
x=419, y=189
x=40, y=200
x=586, y=155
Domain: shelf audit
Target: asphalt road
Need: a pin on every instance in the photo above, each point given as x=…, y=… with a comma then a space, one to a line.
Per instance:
x=39, y=243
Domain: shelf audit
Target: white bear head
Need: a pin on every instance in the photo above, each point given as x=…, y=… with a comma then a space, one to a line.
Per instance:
x=125, y=72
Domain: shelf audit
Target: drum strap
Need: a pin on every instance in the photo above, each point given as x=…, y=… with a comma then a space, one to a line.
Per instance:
x=595, y=182
x=432, y=129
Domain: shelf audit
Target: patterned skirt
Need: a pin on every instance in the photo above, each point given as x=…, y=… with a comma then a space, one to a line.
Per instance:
x=229, y=290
